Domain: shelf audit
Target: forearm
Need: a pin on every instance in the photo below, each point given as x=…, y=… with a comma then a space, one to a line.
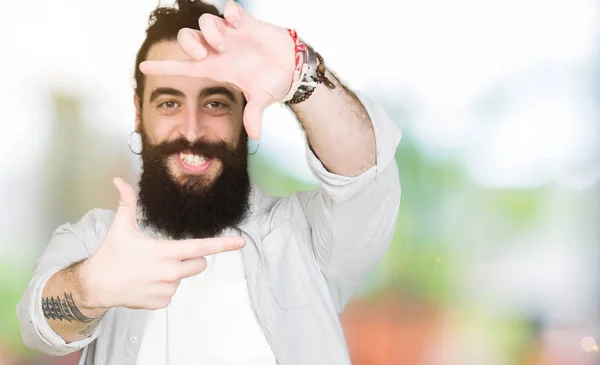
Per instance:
x=65, y=306
x=338, y=129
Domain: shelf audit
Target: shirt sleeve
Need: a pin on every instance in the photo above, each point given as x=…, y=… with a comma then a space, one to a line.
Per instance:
x=69, y=243
x=353, y=219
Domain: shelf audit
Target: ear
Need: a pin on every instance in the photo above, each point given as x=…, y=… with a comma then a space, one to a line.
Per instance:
x=138, y=112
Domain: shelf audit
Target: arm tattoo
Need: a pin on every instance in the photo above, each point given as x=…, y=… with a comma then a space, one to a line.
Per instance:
x=63, y=309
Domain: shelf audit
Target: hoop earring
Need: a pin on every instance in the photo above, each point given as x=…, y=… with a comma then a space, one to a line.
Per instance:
x=256, y=150
x=129, y=144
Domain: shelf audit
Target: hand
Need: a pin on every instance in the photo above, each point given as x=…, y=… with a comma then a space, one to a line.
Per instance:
x=256, y=57
x=134, y=271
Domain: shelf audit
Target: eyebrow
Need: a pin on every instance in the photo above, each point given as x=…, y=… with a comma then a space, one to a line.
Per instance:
x=218, y=90
x=165, y=91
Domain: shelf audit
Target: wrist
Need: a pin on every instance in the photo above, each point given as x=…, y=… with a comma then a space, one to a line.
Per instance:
x=309, y=72
x=92, y=305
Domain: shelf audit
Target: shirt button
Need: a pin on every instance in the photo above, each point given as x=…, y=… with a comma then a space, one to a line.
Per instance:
x=133, y=339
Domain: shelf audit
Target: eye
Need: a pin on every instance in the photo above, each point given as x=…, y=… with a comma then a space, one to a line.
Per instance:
x=216, y=105
x=169, y=104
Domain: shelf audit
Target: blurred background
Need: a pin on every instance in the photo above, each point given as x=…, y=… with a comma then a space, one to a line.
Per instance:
x=496, y=256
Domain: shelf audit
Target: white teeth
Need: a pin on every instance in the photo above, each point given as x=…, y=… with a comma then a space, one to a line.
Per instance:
x=193, y=160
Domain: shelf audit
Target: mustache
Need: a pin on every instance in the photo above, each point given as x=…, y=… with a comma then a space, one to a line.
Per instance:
x=219, y=150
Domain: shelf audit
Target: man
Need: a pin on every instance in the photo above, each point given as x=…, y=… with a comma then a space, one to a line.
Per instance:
x=204, y=268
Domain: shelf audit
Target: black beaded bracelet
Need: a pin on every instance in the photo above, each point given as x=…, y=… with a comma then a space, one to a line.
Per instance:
x=321, y=79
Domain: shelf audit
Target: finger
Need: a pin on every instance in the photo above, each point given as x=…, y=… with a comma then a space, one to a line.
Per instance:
x=233, y=14
x=192, y=43
x=234, y=7
x=127, y=211
x=164, y=289
x=212, y=28
x=160, y=295
x=253, y=114
x=191, y=249
x=185, y=68
x=155, y=303
x=192, y=267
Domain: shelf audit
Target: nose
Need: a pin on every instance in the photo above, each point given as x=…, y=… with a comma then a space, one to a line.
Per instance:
x=193, y=128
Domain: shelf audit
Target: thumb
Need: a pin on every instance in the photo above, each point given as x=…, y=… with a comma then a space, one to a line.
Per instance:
x=253, y=113
x=193, y=43
x=127, y=211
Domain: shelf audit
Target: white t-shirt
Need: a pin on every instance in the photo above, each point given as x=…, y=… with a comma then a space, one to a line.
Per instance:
x=210, y=321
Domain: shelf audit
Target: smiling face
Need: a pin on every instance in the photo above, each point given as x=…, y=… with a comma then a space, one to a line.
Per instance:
x=193, y=109
x=195, y=174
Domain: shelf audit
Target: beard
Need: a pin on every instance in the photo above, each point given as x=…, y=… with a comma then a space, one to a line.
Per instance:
x=193, y=206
